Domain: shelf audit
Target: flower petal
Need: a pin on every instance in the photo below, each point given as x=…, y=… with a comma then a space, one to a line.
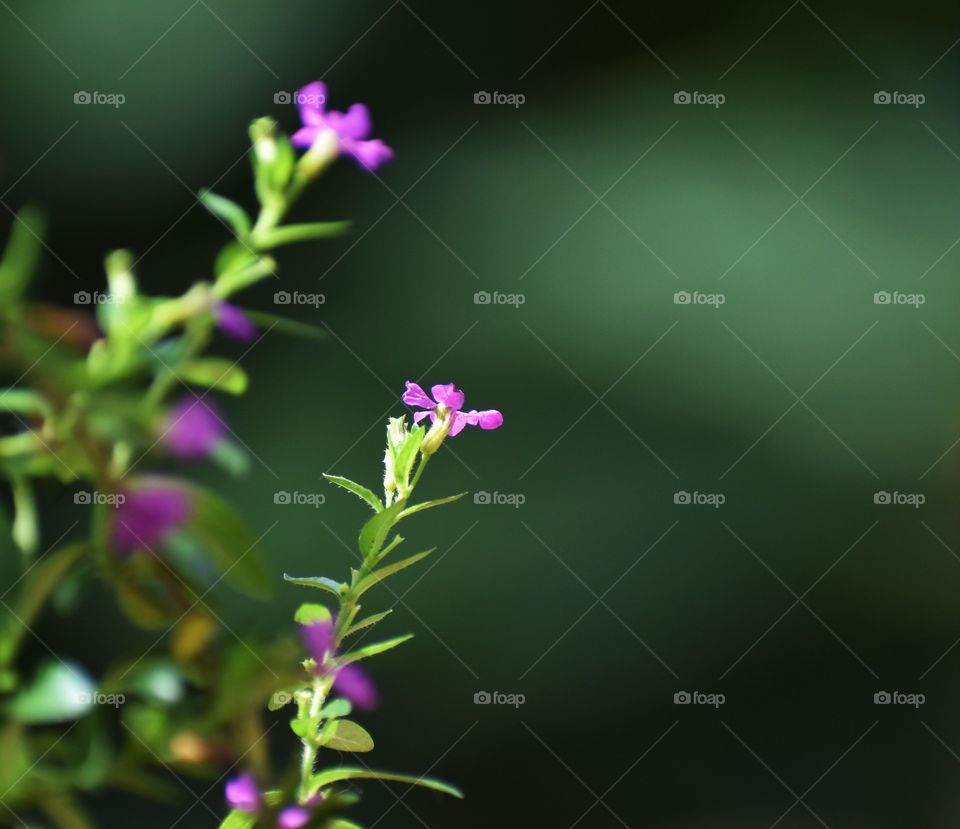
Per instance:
x=194, y=428
x=310, y=101
x=448, y=395
x=370, y=154
x=306, y=137
x=490, y=419
x=416, y=396
x=242, y=793
x=354, y=123
x=234, y=323
x=293, y=817
x=148, y=515
x=353, y=683
x=318, y=639
x=418, y=416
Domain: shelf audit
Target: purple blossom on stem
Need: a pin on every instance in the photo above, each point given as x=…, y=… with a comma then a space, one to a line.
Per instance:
x=293, y=817
x=194, y=428
x=350, y=681
x=242, y=793
x=446, y=399
x=233, y=323
x=149, y=515
x=352, y=127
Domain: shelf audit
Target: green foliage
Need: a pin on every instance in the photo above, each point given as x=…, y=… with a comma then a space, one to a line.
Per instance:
x=360, y=491
x=327, y=778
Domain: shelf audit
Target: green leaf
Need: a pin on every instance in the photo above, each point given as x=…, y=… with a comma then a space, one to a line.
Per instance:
x=378, y=576
x=26, y=526
x=239, y=820
x=322, y=582
x=285, y=325
x=308, y=614
x=234, y=257
x=60, y=692
x=305, y=729
x=21, y=255
x=405, y=455
x=375, y=531
x=229, y=211
x=346, y=735
x=340, y=823
x=23, y=401
x=301, y=233
x=437, y=502
x=334, y=709
x=373, y=650
x=215, y=373
x=360, y=491
x=229, y=542
x=368, y=622
x=330, y=776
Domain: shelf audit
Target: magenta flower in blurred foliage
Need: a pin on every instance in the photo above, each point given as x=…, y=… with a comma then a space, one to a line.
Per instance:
x=448, y=398
x=293, y=817
x=194, y=428
x=352, y=127
x=350, y=681
x=233, y=323
x=148, y=516
x=242, y=793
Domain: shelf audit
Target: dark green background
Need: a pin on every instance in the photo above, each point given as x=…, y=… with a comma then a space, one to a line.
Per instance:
x=519, y=600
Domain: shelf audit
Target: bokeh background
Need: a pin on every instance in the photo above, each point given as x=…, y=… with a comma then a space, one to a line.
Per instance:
x=595, y=201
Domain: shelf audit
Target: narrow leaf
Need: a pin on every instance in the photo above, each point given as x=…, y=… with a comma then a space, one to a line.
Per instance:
x=429, y=504
x=301, y=233
x=229, y=211
x=368, y=622
x=215, y=373
x=375, y=531
x=239, y=820
x=321, y=582
x=360, y=491
x=23, y=401
x=327, y=778
x=373, y=650
x=378, y=576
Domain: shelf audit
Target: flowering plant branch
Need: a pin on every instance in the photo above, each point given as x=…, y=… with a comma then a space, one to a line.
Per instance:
x=91, y=405
x=332, y=668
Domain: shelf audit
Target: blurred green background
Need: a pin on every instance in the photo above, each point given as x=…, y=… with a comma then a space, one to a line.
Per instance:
x=596, y=200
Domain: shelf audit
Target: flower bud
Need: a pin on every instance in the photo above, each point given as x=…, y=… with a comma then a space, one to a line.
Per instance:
x=322, y=153
x=438, y=432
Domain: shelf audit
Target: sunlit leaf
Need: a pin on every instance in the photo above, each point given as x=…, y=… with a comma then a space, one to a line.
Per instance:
x=373, y=650
x=321, y=582
x=375, y=531
x=346, y=735
x=215, y=373
x=382, y=573
x=61, y=692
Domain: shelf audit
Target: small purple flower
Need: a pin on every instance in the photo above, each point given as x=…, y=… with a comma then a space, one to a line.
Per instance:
x=242, y=793
x=233, y=323
x=448, y=398
x=194, y=428
x=148, y=515
x=352, y=127
x=350, y=681
x=293, y=817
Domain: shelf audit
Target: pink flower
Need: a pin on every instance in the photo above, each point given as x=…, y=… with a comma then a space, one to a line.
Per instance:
x=350, y=681
x=234, y=323
x=352, y=127
x=194, y=429
x=446, y=399
x=242, y=793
